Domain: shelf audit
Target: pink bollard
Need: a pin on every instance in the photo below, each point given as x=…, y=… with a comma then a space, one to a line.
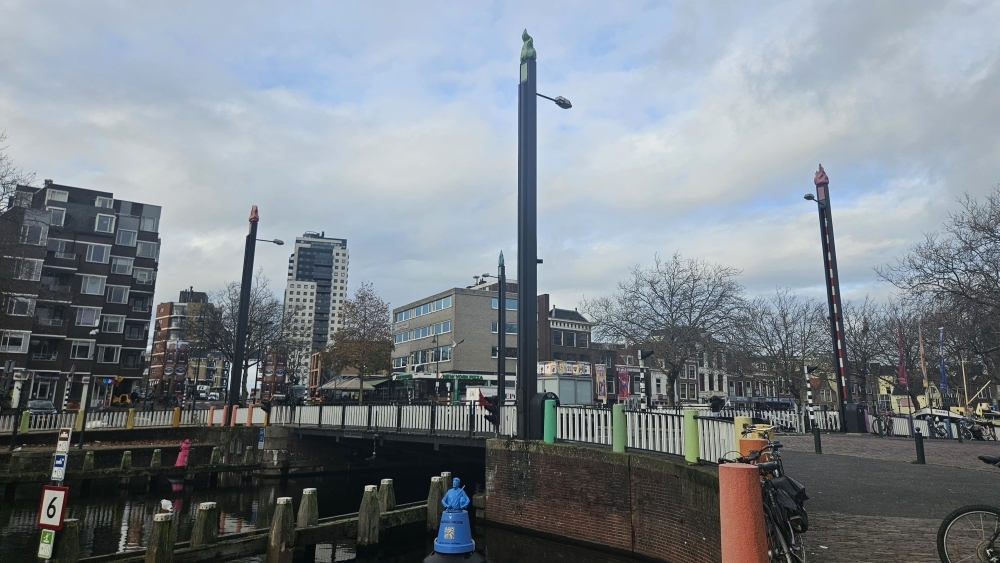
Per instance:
x=741, y=511
x=211, y=415
x=182, y=456
x=249, y=415
x=232, y=416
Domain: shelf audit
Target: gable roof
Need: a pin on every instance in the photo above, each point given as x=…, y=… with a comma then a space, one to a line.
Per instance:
x=567, y=315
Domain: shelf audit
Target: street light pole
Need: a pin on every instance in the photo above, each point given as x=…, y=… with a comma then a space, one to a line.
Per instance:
x=501, y=331
x=236, y=372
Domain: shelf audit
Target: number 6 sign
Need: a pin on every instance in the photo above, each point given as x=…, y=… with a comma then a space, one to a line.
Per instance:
x=51, y=511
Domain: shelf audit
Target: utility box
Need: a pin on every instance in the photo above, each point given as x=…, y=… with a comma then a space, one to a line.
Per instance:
x=573, y=382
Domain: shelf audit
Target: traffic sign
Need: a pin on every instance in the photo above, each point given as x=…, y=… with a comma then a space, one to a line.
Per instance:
x=52, y=510
x=59, y=467
x=260, y=440
x=62, y=446
x=45, y=545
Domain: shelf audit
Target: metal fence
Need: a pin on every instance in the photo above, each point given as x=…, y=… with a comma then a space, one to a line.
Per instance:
x=462, y=419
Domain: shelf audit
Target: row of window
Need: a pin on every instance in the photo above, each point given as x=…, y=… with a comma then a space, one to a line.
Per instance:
x=511, y=304
x=511, y=328
x=443, y=303
x=16, y=342
x=423, y=332
x=569, y=339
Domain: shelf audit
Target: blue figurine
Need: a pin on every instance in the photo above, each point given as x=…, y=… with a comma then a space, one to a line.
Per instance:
x=454, y=542
x=455, y=499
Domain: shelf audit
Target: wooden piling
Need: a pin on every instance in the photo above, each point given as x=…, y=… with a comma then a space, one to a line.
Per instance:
x=88, y=460
x=434, y=504
x=248, y=455
x=368, y=518
x=161, y=539
x=157, y=460
x=216, y=456
x=15, y=463
x=281, y=541
x=126, y=464
x=206, y=525
x=308, y=509
x=386, y=496
x=67, y=543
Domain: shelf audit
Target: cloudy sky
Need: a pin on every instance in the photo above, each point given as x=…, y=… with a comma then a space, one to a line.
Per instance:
x=695, y=127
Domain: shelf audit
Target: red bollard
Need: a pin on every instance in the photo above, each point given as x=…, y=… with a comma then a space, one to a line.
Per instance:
x=741, y=511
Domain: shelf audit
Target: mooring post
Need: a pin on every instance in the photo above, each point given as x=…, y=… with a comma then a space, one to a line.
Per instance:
x=549, y=422
x=692, y=446
x=386, y=496
x=309, y=509
x=918, y=439
x=161, y=539
x=88, y=460
x=434, y=504
x=206, y=525
x=248, y=455
x=817, y=441
x=216, y=458
x=157, y=460
x=281, y=541
x=67, y=543
x=368, y=517
x=618, y=430
x=126, y=464
x=15, y=463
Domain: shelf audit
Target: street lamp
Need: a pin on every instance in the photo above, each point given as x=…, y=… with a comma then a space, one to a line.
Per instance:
x=236, y=371
x=527, y=236
x=278, y=242
x=501, y=278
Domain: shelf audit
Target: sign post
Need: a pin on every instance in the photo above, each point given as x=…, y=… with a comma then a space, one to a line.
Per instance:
x=52, y=509
x=45, y=545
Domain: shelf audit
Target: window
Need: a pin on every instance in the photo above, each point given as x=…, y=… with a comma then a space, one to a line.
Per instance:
x=108, y=354
x=148, y=224
x=581, y=340
x=140, y=304
x=56, y=195
x=57, y=216
x=131, y=359
x=569, y=339
x=92, y=285
x=683, y=390
x=20, y=306
x=511, y=303
x=145, y=249
x=81, y=349
x=511, y=328
x=144, y=276
x=121, y=265
x=22, y=199
x=443, y=303
x=59, y=247
x=28, y=269
x=691, y=372
x=125, y=237
x=14, y=341
x=117, y=294
x=98, y=253
x=557, y=338
x=104, y=223
x=34, y=233
x=399, y=362
x=113, y=323
x=511, y=352
x=105, y=202
x=658, y=386
x=88, y=316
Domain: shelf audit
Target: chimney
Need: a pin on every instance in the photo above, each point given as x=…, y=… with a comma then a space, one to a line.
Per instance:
x=48, y=182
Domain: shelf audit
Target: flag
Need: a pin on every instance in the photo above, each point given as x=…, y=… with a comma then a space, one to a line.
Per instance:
x=622, y=383
x=923, y=361
x=944, y=374
x=901, y=376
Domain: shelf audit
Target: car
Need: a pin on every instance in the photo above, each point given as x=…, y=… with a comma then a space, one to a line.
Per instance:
x=213, y=396
x=41, y=406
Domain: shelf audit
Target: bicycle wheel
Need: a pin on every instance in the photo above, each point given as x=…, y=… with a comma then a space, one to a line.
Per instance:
x=777, y=547
x=968, y=535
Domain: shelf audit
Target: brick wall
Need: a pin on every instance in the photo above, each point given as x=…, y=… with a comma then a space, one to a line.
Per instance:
x=651, y=505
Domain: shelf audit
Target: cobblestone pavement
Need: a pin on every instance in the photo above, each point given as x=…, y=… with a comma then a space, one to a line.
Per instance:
x=848, y=538
x=948, y=453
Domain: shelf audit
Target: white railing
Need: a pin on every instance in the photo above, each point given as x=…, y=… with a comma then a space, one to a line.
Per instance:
x=582, y=424
x=829, y=420
x=716, y=438
x=415, y=417
x=654, y=431
x=153, y=418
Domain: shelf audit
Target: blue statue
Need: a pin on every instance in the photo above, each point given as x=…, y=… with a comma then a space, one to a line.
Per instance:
x=455, y=500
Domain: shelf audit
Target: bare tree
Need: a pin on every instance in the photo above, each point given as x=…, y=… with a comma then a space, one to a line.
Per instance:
x=12, y=220
x=10, y=175
x=365, y=341
x=679, y=308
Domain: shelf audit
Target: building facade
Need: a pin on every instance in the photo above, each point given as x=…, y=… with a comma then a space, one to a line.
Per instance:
x=179, y=360
x=78, y=292
x=563, y=334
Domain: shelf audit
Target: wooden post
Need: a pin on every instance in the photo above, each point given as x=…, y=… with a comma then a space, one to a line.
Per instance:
x=308, y=509
x=248, y=455
x=161, y=539
x=216, y=456
x=15, y=463
x=206, y=525
x=157, y=460
x=281, y=541
x=130, y=420
x=386, y=496
x=67, y=543
x=126, y=464
x=368, y=518
x=88, y=460
x=434, y=504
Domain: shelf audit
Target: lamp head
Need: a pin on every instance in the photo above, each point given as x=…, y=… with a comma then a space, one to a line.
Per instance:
x=810, y=197
x=278, y=242
x=562, y=102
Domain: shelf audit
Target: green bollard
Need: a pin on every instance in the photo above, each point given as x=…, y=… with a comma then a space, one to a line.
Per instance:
x=549, y=431
x=692, y=447
x=23, y=427
x=618, y=430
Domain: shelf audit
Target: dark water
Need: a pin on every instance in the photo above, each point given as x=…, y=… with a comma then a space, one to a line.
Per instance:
x=115, y=519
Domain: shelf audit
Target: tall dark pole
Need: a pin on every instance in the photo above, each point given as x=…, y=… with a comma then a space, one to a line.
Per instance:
x=236, y=372
x=501, y=331
x=527, y=241
x=848, y=409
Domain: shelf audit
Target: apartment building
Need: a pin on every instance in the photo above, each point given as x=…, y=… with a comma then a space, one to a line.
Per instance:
x=179, y=359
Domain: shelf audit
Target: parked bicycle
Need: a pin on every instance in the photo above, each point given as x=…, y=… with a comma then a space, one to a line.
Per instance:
x=882, y=425
x=785, y=518
x=970, y=533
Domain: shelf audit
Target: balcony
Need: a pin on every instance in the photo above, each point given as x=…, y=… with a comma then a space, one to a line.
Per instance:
x=50, y=322
x=45, y=356
x=55, y=292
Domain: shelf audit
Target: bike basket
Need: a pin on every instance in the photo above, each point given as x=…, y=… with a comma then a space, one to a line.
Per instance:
x=791, y=495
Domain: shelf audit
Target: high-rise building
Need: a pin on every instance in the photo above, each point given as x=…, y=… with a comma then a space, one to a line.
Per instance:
x=78, y=292
x=181, y=358
x=314, y=293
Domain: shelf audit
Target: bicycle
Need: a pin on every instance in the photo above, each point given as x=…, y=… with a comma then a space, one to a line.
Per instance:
x=785, y=519
x=971, y=531
x=882, y=425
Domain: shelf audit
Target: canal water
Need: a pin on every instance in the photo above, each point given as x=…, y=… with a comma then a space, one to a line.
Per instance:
x=116, y=519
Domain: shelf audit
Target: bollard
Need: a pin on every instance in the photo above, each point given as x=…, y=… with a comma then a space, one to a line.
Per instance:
x=161, y=539
x=739, y=422
x=249, y=415
x=308, y=509
x=15, y=463
x=232, y=415
x=368, y=517
x=248, y=455
x=157, y=460
x=206, y=525
x=744, y=539
x=281, y=540
x=78, y=423
x=211, y=415
x=126, y=464
x=692, y=447
x=445, y=482
x=618, y=430
x=130, y=420
x=176, y=420
x=386, y=496
x=959, y=432
x=918, y=439
x=25, y=419
x=817, y=442
x=216, y=458
x=549, y=422
x=757, y=444
x=88, y=460
x=434, y=504
x=67, y=543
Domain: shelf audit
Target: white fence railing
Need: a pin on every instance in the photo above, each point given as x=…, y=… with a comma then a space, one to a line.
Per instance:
x=583, y=424
x=716, y=438
x=460, y=419
x=655, y=431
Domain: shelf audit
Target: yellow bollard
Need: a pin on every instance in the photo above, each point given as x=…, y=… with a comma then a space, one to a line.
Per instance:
x=79, y=420
x=177, y=417
x=738, y=423
x=267, y=419
x=130, y=420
